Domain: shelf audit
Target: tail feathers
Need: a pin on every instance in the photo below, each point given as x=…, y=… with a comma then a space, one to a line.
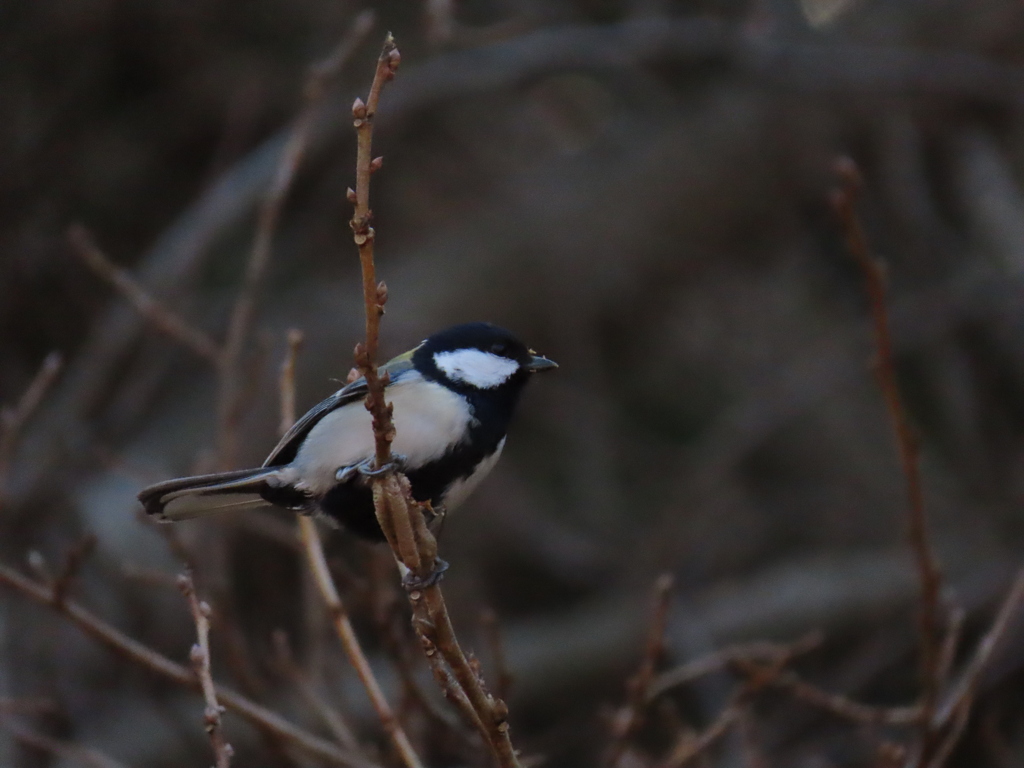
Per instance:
x=189, y=497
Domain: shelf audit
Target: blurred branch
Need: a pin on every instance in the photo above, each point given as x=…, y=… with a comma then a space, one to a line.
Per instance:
x=134, y=651
x=492, y=633
x=156, y=313
x=844, y=200
x=628, y=720
x=313, y=547
x=230, y=397
x=64, y=750
x=331, y=717
x=200, y=658
x=13, y=418
x=955, y=712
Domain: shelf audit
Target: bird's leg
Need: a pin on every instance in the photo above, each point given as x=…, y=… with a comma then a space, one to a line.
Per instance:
x=412, y=583
x=366, y=469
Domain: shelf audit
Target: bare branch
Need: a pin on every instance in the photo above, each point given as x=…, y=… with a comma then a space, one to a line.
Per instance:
x=160, y=316
x=13, y=418
x=330, y=716
x=134, y=651
x=310, y=538
x=65, y=750
x=200, y=658
x=244, y=311
x=844, y=201
x=956, y=711
x=628, y=720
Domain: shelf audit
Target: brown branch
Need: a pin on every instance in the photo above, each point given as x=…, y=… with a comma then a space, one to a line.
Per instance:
x=721, y=659
x=200, y=658
x=13, y=418
x=159, y=315
x=629, y=718
x=73, y=562
x=136, y=652
x=956, y=711
x=689, y=746
x=350, y=642
x=401, y=518
x=844, y=201
x=65, y=750
x=310, y=539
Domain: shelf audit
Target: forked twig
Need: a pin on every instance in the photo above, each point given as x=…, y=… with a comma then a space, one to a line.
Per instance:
x=200, y=658
x=844, y=201
x=134, y=651
x=630, y=717
x=956, y=711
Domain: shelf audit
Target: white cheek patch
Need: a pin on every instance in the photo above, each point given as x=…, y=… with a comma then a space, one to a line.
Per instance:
x=476, y=367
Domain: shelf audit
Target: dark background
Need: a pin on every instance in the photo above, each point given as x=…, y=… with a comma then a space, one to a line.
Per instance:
x=638, y=190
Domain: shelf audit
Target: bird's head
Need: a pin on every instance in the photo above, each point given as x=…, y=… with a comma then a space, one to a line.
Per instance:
x=478, y=356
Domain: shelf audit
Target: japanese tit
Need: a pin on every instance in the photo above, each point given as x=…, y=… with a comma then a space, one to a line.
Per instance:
x=453, y=398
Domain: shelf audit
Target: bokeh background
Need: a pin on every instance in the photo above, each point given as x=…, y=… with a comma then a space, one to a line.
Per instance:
x=637, y=188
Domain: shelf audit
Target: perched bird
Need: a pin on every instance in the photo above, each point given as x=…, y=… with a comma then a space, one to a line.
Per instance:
x=453, y=398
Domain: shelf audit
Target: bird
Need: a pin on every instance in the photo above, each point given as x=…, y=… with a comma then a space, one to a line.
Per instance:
x=454, y=395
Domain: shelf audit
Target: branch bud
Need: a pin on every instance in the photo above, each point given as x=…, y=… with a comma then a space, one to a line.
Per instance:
x=359, y=109
x=350, y=195
x=375, y=164
x=382, y=293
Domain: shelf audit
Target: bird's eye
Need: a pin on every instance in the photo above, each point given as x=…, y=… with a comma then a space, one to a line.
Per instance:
x=498, y=348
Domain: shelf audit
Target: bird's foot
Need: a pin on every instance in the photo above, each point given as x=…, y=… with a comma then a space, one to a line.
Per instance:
x=413, y=583
x=367, y=469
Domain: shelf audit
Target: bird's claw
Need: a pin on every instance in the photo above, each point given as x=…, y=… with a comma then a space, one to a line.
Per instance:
x=413, y=583
x=366, y=469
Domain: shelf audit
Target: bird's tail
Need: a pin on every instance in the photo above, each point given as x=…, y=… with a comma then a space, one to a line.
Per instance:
x=188, y=497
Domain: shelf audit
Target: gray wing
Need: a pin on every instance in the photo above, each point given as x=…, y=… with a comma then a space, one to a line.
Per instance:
x=288, y=447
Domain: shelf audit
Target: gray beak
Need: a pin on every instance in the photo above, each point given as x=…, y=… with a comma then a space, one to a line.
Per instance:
x=538, y=363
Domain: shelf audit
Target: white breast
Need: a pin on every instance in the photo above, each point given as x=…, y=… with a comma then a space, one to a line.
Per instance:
x=429, y=419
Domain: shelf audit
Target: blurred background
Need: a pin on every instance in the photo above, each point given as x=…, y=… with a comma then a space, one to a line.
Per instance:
x=636, y=188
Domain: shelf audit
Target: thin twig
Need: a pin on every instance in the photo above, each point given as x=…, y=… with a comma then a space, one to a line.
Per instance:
x=156, y=313
x=956, y=711
x=689, y=746
x=721, y=659
x=200, y=658
x=350, y=642
x=65, y=750
x=844, y=201
x=243, y=313
x=13, y=418
x=630, y=717
x=73, y=562
x=134, y=651
x=310, y=538
x=331, y=717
